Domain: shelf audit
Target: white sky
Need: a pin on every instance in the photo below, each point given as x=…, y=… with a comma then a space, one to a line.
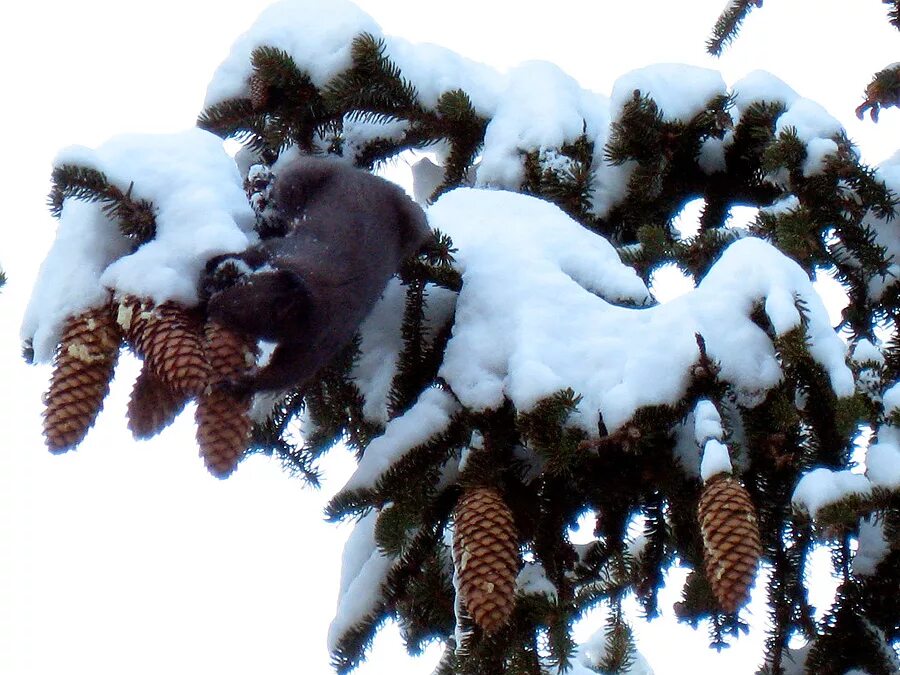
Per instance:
x=126, y=557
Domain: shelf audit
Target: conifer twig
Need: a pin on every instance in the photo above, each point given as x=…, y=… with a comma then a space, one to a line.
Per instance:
x=729, y=23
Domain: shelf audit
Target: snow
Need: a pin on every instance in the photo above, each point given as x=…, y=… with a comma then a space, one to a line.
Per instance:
x=707, y=422
x=812, y=123
x=891, y=398
x=541, y=106
x=427, y=177
x=794, y=662
x=364, y=569
x=561, y=288
x=712, y=153
x=680, y=91
x=822, y=487
x=358, y=133
x=532, y=580
x=380, y=346
x=431, y=414
x=533, y=106
x=866, y=352
x=883, y=461
x=872, y=547
x=69, y=279
x=758, y=86
x=434, y=70
x=592, y=652
x=708, y=433
x=687, y=451
x=636, y=545
x=317, y=35
x=782, y=206
x=200, y=211
x=817, y=151
x=715, y=460
x=886, y=230
x=809, y=119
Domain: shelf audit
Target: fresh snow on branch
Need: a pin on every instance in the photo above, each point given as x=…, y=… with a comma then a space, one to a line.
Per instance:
x=715, y=459
x=533, y=106
x=532, y=580
x=561, y=288
x=200, y=210
x=886, y=232
x=364, y=569
x=680, y=91
x=316, y=34
x=822, y=487
x=69, y=279
x=708, y=433
x=883, y=459
x=429, y=416
x=541, y=106
x=872, y=547
x=759, y=85
x=707, y=422
x=382, y=342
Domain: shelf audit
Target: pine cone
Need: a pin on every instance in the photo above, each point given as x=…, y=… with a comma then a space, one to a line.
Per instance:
x=731, y=547
x=153, y=406
x=167, y=338
x=223, y=420
x=486, y=557
x=259, y=92
x=83, y=367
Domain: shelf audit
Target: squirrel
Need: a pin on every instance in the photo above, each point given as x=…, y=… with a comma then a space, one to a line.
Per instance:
x=345, y=232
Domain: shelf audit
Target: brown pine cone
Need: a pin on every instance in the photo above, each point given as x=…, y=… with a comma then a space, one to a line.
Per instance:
x=223, y=421
x=153, y=406
x=486, y=557
x=259, y=92
x=83, y=368
x=167, y=337
x=731, y=546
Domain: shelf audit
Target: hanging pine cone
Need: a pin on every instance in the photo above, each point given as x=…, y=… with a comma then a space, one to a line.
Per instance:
x=167, y=337
x=259, y=92
x=223, y=421
x=83, y=367
x=153, y=406
x=486, y=557
x=731, y=546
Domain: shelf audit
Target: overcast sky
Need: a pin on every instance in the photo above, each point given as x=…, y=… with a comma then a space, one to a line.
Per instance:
x=127, y=557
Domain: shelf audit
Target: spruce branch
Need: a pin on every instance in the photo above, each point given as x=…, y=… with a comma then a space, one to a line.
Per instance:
x=893, y=12
x=882, y=92
x=233, y=118
x=464, y=128
x=274, y=437
x=135, y=218
x=352, y=646
x=729, y=23
x=282, y=107
x=372, y=89
x=563, y=176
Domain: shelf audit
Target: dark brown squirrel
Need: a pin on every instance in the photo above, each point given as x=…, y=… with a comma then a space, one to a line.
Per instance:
x=309, y=289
